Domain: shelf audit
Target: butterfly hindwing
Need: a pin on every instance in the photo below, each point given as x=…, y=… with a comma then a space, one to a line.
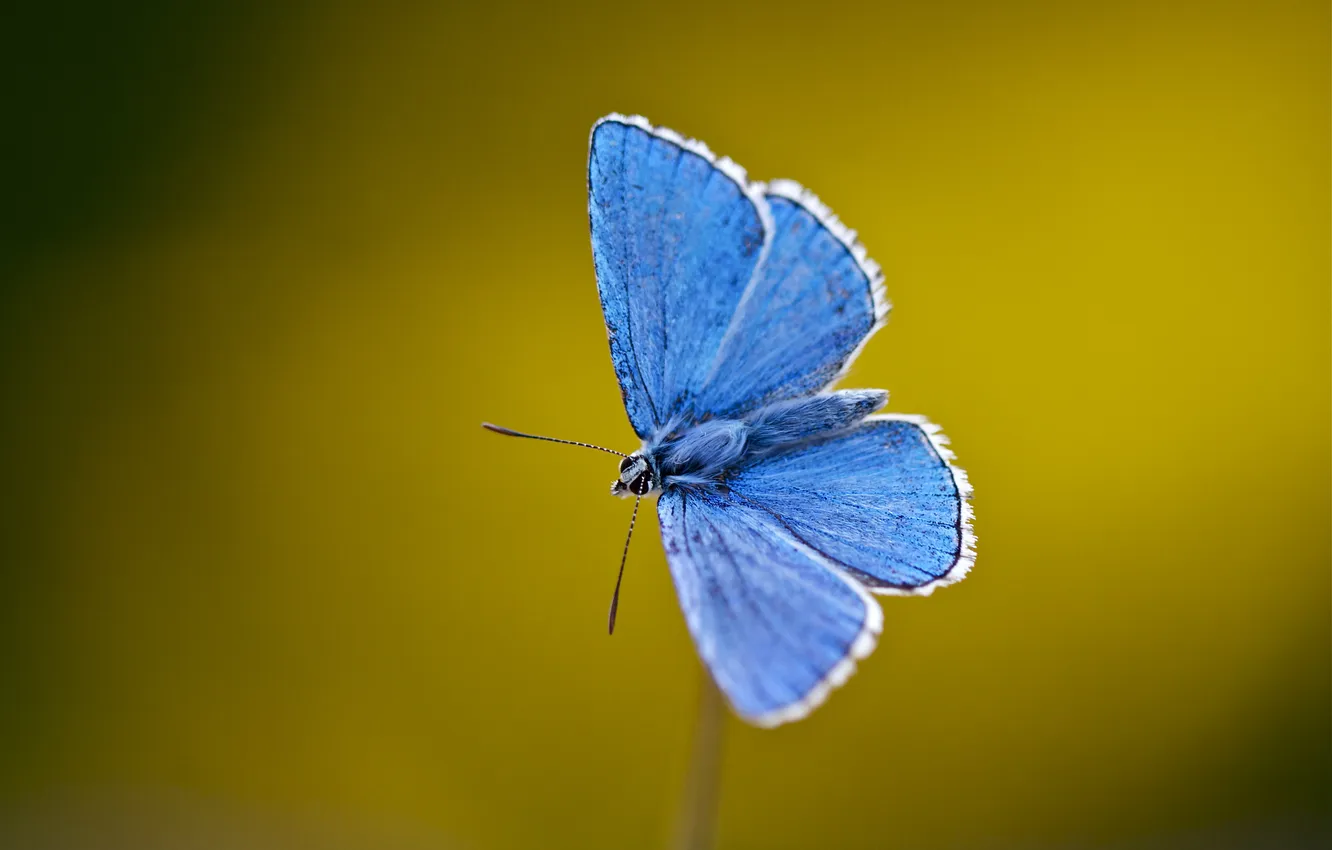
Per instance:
x=776, y=625
x=676, y=236
x=880, y=501
x=813, y=303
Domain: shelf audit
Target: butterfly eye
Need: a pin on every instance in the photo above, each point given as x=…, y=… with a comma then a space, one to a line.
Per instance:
x=626, y=463
x=642, y=484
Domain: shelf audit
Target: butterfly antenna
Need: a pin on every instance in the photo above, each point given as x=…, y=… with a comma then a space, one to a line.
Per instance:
x=508, y=432
x=624, y=556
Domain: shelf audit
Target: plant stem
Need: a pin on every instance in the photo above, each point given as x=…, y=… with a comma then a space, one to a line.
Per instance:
x=696, y=826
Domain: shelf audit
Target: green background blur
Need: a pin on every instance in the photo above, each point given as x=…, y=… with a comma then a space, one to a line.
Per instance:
x=267, y=584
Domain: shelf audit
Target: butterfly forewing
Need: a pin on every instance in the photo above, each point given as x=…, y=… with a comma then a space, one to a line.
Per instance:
x=675, y=241
x=774, y=623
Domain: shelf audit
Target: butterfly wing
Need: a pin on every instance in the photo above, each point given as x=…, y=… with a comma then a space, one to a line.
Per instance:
x=676, y=237
x=813, y=303
x=719, y=295
x=777, y=625
x=881, y=502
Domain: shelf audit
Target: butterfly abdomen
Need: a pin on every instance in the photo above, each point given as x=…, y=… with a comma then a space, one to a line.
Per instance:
x=793, y=421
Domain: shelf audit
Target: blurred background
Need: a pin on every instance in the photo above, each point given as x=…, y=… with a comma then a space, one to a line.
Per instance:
x=266, y=267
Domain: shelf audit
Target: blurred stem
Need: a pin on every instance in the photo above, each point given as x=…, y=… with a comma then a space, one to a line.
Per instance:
x=696, y=826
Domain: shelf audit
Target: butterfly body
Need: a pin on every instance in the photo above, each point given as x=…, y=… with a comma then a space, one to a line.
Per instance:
x=701, y=456
x=731, y=309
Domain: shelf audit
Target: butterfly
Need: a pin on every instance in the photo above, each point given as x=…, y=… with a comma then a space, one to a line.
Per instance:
x=732, y=307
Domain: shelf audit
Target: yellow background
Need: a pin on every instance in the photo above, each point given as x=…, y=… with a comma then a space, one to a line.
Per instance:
x=267, y=584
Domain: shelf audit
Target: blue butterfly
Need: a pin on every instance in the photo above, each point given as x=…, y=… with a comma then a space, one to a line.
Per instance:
x=732, y=306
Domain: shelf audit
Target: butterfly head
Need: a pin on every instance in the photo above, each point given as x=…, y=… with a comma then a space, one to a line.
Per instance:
x=636, y=478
